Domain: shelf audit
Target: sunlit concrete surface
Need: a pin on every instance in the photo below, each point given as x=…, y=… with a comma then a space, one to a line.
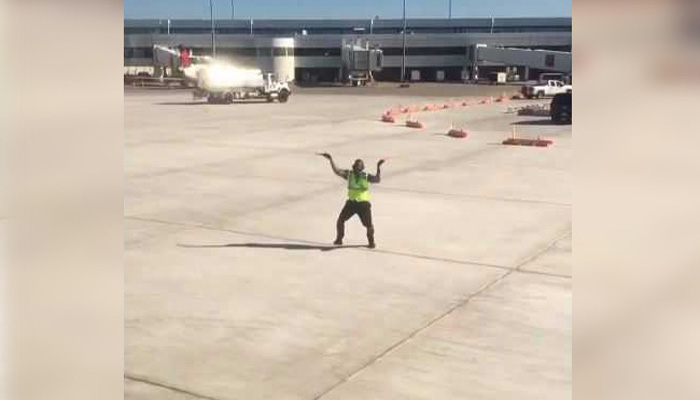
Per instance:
x=232, y=288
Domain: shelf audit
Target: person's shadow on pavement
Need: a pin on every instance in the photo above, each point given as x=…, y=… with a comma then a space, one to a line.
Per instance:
x=285, y=246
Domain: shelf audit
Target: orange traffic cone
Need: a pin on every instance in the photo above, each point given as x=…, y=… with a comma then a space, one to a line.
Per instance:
x=457, y=133
x=413, y=123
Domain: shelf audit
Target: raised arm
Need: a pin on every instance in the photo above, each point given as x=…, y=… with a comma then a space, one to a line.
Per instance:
x=378, y=177
x=343, y=173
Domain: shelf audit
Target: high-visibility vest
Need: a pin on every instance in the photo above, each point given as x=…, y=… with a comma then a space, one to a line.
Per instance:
x=358, y=186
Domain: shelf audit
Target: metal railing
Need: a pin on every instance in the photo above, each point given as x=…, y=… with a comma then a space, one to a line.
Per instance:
x=149, y=81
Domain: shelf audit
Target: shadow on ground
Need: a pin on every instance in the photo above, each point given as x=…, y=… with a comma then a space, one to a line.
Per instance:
x=205, y=103
x=284, y=246
x=536, y=122
x=183, y=103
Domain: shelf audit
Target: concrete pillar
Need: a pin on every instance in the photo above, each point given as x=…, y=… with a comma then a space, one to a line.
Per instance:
x=284, y=64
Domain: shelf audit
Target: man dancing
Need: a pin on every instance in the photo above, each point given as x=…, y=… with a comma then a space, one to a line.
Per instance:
x=358, y=197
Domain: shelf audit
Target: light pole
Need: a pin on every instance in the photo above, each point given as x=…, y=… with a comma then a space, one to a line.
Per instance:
x=449, y=15
x=403, y=62
x=233, y=11
x=213, y=31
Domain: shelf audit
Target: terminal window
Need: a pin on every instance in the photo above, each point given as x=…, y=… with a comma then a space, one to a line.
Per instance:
x=549, y=60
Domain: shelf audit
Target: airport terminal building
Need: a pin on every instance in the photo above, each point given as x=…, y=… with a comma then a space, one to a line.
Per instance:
x=436, y=49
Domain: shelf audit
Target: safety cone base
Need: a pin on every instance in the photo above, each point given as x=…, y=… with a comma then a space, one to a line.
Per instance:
x=414, y=124
x=458, y=133
x=528, y=142
x=388, y=118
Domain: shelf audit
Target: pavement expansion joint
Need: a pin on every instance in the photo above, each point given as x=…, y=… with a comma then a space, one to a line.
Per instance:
x=538, y=253
x=312, y=245
x=413, y=334
x=169, y=387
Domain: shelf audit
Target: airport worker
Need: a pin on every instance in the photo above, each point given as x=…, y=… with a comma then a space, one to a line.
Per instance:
x=358, y=197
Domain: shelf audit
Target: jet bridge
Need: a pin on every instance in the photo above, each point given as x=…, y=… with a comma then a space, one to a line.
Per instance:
x=545, y=60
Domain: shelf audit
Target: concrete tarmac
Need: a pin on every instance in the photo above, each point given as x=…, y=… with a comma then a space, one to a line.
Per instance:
x=234, y=292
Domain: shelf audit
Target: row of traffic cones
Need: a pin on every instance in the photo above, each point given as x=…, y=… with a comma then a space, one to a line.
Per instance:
x=451, y=104
x=412, y=122
x=462, y=133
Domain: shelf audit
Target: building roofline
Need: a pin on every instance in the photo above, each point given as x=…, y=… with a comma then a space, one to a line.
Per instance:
x=345, y=23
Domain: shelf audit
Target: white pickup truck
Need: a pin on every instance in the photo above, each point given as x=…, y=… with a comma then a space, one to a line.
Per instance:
x=548, y=88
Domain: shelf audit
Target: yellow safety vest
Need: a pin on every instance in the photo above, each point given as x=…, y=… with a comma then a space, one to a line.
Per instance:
x=358, y=187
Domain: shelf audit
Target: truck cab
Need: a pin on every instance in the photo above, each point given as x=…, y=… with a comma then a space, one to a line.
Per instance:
x=545, y=89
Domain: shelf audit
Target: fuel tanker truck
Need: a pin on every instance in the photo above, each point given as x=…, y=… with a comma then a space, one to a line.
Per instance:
x=224, y=83
x=220, y=81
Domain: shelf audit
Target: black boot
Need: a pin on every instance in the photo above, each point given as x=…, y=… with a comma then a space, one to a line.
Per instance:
x=370, y=238
x=340, y=233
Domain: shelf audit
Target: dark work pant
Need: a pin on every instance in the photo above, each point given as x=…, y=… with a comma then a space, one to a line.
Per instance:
x=364, y=210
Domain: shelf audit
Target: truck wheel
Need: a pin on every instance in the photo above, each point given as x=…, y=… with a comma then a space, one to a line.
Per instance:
x=283, y=96
x=211, y=99
x=228, y=98
x=540, y=95
x=270, y=99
